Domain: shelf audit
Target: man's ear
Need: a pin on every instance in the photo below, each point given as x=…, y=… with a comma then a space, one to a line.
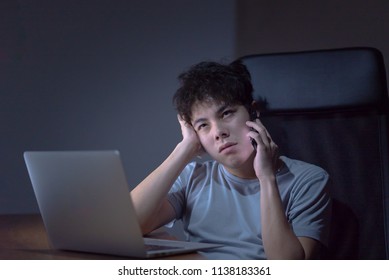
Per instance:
x=260, y=105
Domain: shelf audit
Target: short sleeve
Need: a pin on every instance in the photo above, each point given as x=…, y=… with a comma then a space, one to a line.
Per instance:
x=176, y=195
x=310, y=209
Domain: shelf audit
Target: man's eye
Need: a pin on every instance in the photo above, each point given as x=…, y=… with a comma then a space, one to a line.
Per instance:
x=227, y=113
x=201, y=126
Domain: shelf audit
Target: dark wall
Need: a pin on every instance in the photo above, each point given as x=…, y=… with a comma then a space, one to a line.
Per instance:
x=98, y=74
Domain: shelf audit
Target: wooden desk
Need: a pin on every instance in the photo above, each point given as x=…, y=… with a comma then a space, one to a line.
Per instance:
x=23, y=237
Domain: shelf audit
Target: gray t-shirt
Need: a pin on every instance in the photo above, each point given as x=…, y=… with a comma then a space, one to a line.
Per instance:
x=218, y=207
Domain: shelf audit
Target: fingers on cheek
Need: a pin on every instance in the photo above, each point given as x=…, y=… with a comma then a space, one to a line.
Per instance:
x=252, y=134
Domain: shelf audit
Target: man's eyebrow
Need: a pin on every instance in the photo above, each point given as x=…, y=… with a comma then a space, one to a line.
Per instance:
x=222, y=108
x=198, y=121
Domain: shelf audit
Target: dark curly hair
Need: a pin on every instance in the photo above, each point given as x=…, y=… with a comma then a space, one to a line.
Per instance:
x=228, y=84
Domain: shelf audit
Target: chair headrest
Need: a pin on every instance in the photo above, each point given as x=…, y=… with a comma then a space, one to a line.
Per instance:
x=319, y=80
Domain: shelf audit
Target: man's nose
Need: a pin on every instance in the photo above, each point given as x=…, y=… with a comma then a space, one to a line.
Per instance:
x=221, y=131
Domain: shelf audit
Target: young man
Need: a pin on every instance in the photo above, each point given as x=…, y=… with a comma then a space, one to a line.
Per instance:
x=255, y=203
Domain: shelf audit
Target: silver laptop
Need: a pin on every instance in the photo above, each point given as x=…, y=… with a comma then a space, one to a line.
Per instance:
x=85, y=204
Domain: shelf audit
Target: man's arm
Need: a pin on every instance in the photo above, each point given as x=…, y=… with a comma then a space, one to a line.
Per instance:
x=150, y=196
x=279, y=240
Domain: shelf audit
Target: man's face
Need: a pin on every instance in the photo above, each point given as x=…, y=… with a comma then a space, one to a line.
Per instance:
x=222, y=131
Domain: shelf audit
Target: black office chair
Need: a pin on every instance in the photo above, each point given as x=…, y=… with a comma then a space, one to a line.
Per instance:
x=330, y=108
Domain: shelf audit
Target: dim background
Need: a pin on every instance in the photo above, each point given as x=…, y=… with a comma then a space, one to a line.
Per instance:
x=100, y=74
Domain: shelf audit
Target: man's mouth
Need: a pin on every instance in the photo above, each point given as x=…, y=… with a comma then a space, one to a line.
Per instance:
x=226, y=146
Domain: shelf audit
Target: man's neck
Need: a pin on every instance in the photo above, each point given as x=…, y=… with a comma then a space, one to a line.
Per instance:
x=245, y=171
